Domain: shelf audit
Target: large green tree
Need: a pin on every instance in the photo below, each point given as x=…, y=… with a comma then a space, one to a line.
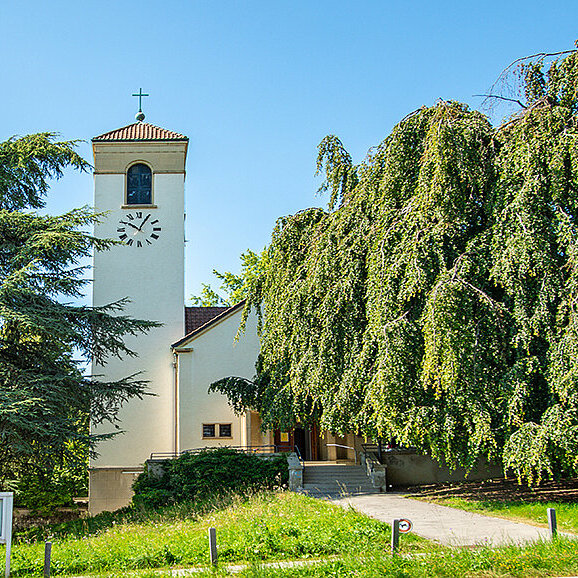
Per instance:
x=46, y=400
x=436, y=299
x=234, y=287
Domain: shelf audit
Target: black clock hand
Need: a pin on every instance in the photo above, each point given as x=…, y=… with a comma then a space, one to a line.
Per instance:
x=142, y=224
x=130, y=225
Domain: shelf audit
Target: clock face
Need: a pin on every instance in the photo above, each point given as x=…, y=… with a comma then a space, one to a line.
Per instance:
x=138, y=229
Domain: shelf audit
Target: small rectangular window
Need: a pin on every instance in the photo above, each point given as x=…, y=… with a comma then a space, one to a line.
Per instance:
x=225, y=430
x=208, y=430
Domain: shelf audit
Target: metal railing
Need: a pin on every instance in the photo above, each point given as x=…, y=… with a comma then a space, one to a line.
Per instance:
x=345, y=448
x=271, y=449
x=373, y=450
x=298, y=453
x=378, y=451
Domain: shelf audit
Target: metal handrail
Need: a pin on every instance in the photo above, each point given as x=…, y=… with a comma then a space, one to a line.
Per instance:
x=298, y=453
x=374, y=447
x=271, y=449
x=378, y=450
x=344, y=447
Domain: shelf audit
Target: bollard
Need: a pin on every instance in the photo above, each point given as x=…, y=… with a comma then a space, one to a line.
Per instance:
x=552, y=524
x=47, y=554
x=213, y=546
x=394, y=537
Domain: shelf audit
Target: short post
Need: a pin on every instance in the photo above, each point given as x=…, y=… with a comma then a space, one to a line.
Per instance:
x=6, y=512
x=552, y=524
x=47, y=554
x=394, y=537
x=213, y=546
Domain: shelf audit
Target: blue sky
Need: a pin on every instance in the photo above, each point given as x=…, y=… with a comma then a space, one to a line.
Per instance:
x=255, y=85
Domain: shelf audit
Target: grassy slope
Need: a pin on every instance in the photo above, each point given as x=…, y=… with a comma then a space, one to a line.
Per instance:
x=269, y=527
x=266, y=527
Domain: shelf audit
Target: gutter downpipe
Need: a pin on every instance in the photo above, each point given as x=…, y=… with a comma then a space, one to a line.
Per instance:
x=176, y=412
x=176, y=401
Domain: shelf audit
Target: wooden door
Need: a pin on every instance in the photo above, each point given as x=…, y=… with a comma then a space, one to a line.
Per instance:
x=283, y=441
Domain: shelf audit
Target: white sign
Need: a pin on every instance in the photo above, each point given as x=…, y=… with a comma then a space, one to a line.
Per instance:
x=405, y=526
x=6, y=501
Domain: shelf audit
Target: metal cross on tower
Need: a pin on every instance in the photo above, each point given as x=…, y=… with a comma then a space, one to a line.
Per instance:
x=140, y=115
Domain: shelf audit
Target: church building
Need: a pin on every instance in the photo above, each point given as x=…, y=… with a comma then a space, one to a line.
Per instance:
x=139, y=188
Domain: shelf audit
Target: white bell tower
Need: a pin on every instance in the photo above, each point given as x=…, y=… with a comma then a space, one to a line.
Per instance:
x=139, y=175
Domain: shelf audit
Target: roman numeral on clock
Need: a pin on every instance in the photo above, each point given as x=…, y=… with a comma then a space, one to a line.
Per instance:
x=138, y=229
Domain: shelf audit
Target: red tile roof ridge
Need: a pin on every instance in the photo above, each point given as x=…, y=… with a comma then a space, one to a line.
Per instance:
x=140, y=131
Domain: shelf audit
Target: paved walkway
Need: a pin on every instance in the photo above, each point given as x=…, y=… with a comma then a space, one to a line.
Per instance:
x=448, y=526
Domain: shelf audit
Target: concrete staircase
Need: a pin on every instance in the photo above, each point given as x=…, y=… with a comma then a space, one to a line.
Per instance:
x=330, y=479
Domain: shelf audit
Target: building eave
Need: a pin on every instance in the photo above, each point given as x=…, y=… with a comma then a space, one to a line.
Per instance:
x=209, y=325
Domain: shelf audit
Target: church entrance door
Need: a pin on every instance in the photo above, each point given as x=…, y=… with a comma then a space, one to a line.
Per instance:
x=306, y=440
x=284, y=441
x=299, y=435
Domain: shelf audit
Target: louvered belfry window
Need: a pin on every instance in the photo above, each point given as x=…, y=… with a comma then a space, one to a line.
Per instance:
x=139, y=185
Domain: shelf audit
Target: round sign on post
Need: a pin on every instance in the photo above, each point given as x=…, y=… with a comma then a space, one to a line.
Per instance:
x=405, y=526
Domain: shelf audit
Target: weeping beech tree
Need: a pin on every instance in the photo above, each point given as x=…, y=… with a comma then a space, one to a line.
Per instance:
x=436, y=300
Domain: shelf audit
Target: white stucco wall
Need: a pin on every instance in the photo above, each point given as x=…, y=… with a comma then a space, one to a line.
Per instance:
x=214, y=354
x=152, y=277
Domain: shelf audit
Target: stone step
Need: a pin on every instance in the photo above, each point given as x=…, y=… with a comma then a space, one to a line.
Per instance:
x=332, y=466
x=336, y=492
x=335, y=480
x=313, y=489
x=330, y=481
x=347, y=472
x=334, y=471
x=336, y=475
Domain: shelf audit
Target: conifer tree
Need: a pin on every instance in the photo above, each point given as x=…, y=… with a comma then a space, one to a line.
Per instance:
x=46, y=401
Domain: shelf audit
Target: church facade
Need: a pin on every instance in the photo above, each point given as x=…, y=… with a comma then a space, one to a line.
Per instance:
x=139, y=179
x=139, y=189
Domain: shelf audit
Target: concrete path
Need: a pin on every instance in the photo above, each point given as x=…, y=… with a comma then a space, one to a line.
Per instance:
x=448, y=526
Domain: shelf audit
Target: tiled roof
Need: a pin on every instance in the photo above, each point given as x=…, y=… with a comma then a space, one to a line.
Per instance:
x=140, y=131
x=196, y=317
x=199, y=319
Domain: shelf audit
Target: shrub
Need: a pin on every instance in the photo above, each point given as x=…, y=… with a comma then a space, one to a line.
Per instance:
x=210, y=473
x=44, y=490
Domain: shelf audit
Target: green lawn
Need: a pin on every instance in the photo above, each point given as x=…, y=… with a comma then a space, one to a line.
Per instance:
x=266, y=527
x=529, y=512
x=271, y=527
x=540, y=560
